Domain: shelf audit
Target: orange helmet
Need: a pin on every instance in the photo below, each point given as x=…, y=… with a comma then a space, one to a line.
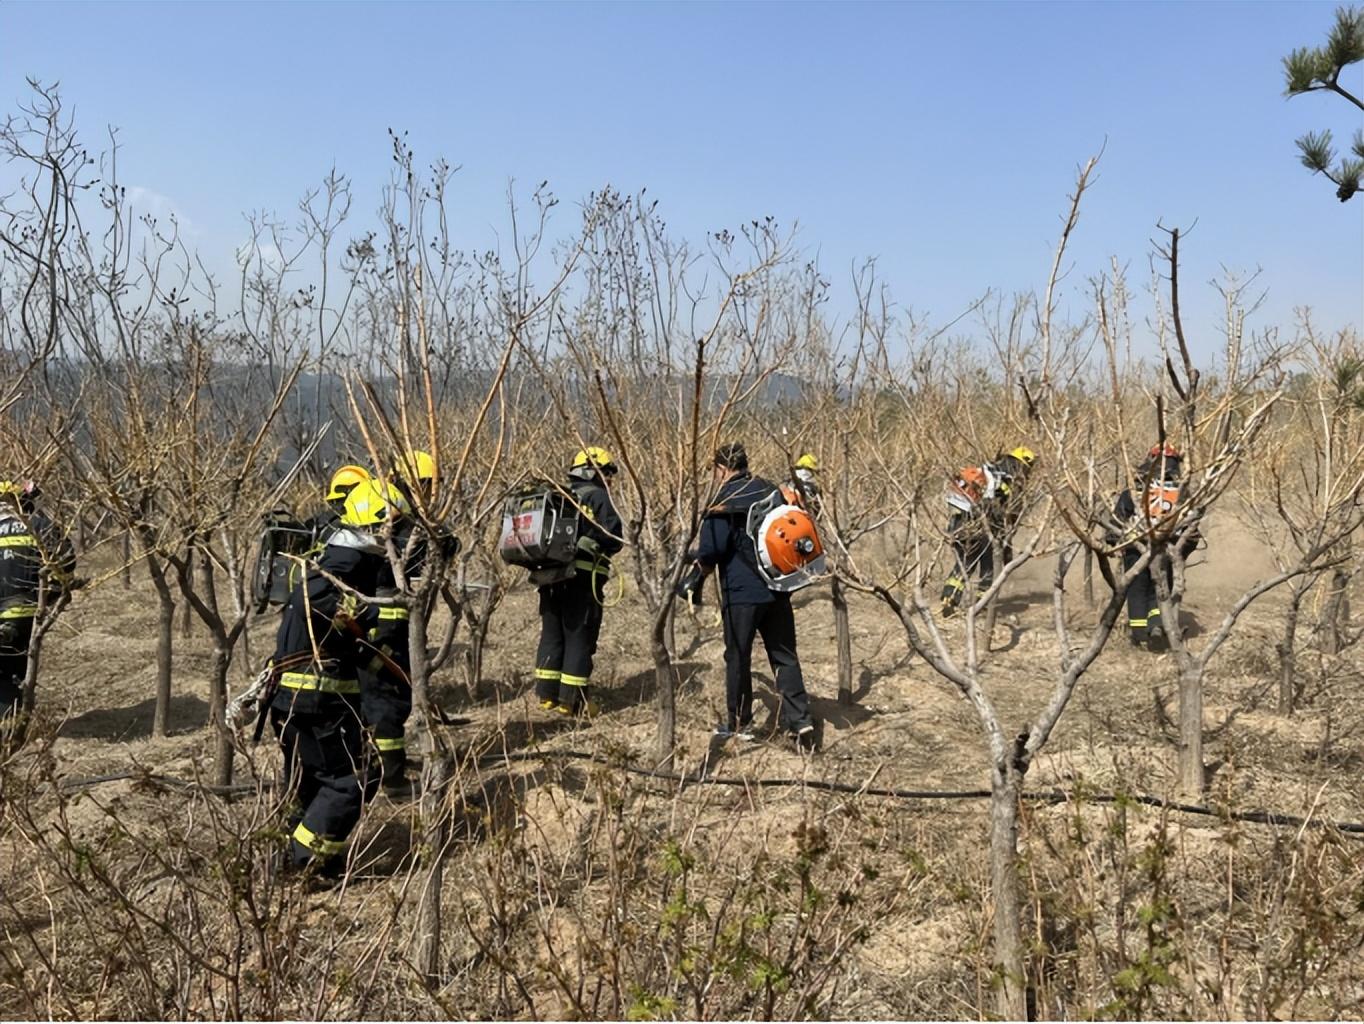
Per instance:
x=1166, y=451
x=791, y=541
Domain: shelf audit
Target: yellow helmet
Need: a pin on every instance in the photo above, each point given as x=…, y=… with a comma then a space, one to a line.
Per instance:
x=344, y=480
x=807, y=461
x=370, y=502
x=596, y=458
x=1024, y=455
x=416, y=467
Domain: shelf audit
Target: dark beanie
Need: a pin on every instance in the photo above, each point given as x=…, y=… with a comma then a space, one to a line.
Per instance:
x=732, y=456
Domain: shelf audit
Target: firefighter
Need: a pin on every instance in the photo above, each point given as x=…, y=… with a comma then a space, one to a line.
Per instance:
x=571, y=609
x=987, y=505
x=319, y=652
x=34, y=554
x=1159, y=478
x=748, y=606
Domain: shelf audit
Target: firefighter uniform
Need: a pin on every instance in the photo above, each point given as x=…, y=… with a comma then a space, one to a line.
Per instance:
x=316, y=710
x=973, y=532
x=1143, y=603
x=32, y=553
x=749, y=608
x=571, y=609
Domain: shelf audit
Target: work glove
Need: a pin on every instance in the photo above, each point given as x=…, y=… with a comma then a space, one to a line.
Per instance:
x=692, y=586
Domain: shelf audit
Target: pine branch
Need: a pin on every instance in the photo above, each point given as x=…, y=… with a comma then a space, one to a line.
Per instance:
x=1317, y=154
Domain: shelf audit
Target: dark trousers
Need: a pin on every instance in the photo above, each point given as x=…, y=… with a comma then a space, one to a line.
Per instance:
x=326, y=769
x=386, y=705
x=386, y=702
x=776, y=623
x=570, y=622
x=1143, y=606
x=13, y=664
x=975, y=554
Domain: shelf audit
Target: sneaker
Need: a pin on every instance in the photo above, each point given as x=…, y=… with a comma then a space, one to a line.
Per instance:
x=803, y=733
x=1157, y=640
x=743, y=733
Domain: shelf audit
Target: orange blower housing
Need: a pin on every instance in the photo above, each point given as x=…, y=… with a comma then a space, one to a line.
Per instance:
x=791, y=540
x=790, y=554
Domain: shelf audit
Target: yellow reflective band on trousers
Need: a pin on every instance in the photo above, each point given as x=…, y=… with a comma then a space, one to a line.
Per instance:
x=312, y=681
x=20, y=611
x=305, y=836
x=1136, y=622
x=569, y=680
x=1154, y=613
x=21, y=540
x=547, y=673
x=382, y=743
x=956, y=583
x=395, y=613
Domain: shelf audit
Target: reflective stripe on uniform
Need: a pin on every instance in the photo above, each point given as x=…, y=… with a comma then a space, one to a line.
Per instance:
x=312, y=681
x=305, y=836
x=21, y=540
x=569, y=680
x=1136, y=622
x=392, y=613
x=390, y=743
x=1153, y=613
x=20, y=611
x=956, y=583
x=547, y=673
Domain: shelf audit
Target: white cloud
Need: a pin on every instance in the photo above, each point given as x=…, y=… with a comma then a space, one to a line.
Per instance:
x=144, y=201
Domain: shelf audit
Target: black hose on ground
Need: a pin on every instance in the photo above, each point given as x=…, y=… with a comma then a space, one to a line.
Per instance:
x=1275, y=819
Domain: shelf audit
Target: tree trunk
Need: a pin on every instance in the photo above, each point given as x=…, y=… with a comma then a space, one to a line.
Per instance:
x=126, y=569
x=186, y=612
x=666, y=681
x=1191, y=732
x=1335, y=613
x=217, y=705
x=672, y=632
x=1285, y=650
x=473, y=659
x=437, y=771
x=165, y=626
x=1005, y=789
x=843, y=638
x=1089, y=577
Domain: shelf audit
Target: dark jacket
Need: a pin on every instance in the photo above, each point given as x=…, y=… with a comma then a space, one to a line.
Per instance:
x=725, y=543
x=31, y=548
x=354, y=558
x=600, y=528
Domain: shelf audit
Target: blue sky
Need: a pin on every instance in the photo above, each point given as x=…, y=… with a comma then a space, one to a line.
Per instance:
x=940, y=138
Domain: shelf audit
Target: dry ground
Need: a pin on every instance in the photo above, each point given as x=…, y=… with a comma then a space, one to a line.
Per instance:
x=906, y=729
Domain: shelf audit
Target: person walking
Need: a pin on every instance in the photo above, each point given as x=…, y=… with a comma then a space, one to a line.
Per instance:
x=749, y=608
x=571, y=609
x=34, y=555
